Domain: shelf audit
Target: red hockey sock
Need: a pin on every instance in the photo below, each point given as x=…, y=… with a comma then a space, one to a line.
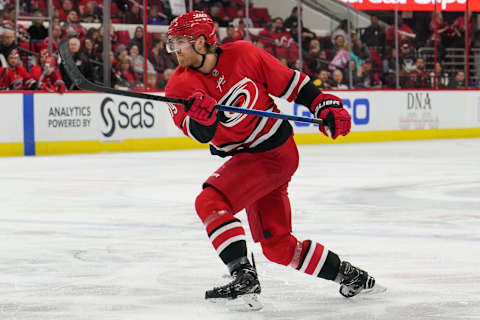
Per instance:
x=314, y=259
x=225, y=231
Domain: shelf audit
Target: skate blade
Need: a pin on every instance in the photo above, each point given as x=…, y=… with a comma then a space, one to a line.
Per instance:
x=246, y=302
x=375, y=290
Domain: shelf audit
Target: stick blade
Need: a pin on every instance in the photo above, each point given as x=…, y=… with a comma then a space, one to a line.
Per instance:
x=69, y=65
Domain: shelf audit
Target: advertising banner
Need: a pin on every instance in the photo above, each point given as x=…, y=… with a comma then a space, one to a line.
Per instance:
x=400, y=110
x=415, y=5
x=11, y=119
x=101, y=117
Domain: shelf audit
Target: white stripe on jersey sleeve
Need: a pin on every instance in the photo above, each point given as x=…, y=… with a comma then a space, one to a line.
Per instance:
x=292, y=85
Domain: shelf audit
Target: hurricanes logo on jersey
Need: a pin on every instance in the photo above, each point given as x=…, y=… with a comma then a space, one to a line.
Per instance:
x=243, y=94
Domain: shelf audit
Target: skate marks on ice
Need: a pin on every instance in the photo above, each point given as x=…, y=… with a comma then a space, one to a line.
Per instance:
x=114, y=236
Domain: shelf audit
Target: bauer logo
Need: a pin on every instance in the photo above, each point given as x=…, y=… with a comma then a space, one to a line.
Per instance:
x=123, y=115
x=359, y=109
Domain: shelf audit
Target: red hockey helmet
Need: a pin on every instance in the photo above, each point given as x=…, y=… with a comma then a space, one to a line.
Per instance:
x=14, y=53
x=184, y=30
x=50, y=62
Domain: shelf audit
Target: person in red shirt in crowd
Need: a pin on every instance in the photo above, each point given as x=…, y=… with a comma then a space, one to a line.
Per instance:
x=17, y=77
x=56, y=36
x=72, y=26
x=285, y=46
x=67, y=6
x=418, y=77
x=37, y=70
x=50, y=80
x=231, y=35
x=127, y=78
x=405, y=33
x=266, y=37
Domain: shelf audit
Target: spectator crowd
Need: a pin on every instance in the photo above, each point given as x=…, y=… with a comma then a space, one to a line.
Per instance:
x=345, y=58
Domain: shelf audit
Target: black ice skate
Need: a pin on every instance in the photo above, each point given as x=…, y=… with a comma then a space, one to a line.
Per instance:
x=353, y=280
x=245, y=281
x=242, y=293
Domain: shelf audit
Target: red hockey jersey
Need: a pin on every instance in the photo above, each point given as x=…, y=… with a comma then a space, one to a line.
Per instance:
x=244, y=76
x=18, y=79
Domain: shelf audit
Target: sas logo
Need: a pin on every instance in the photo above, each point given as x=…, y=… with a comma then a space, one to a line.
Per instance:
x=123, y=115
x=359, y=110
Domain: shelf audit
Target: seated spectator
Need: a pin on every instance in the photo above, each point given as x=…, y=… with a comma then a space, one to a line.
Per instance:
x=338, y=82
x=50, y=80
x=137, y=40
x=155, y=58
x=342, y=30
x=439, y=78
x=134, y=15
x=407, y=58
x=340, y=60
x=458, y=82
x=155, y=17
x=306, y=34
x=37, y=30
x=216, y=16
x=231, y=35
x=7, y=44
x=72, y=26
x=3, y=78
x=374, y=35
x=56, y=37
x=91, y=12
x=266, y=37
x=313, y=56
x=138, y=62
x=366, y=77
x=127, y=78
x=247, y=22
x=101, y=34
x=167, y=74
x=67, y=6
x=359, y=49
x=418, y=77
x=285, y=46
x=322, y=81
x=17, y=77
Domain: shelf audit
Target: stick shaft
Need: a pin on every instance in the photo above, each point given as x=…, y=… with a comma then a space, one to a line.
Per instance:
x=81, y=82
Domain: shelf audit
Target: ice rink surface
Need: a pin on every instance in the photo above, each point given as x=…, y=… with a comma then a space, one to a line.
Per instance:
x=115, y=236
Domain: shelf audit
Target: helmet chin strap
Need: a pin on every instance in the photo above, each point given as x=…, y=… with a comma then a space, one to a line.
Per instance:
x=203, y=58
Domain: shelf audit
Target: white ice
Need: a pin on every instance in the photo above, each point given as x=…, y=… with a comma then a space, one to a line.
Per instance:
x=115, y=236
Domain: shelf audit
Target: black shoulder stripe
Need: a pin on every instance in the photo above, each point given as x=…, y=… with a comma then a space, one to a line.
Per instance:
x=288, y=85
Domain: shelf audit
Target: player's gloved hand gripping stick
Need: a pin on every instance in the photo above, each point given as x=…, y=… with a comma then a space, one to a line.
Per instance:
x=82, y=83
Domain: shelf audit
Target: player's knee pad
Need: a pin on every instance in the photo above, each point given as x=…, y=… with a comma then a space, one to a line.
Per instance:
x=279, y=249
x=211, y=203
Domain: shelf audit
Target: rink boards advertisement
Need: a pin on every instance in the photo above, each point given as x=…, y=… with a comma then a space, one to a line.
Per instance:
x=43, y=123
x=11, y=124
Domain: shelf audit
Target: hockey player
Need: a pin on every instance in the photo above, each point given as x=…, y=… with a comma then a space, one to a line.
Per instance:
x=50, y=79
x=263, y=153
x=17, y=78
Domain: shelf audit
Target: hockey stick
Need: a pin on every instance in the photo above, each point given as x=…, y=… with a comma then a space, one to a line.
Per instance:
x=82, y=83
